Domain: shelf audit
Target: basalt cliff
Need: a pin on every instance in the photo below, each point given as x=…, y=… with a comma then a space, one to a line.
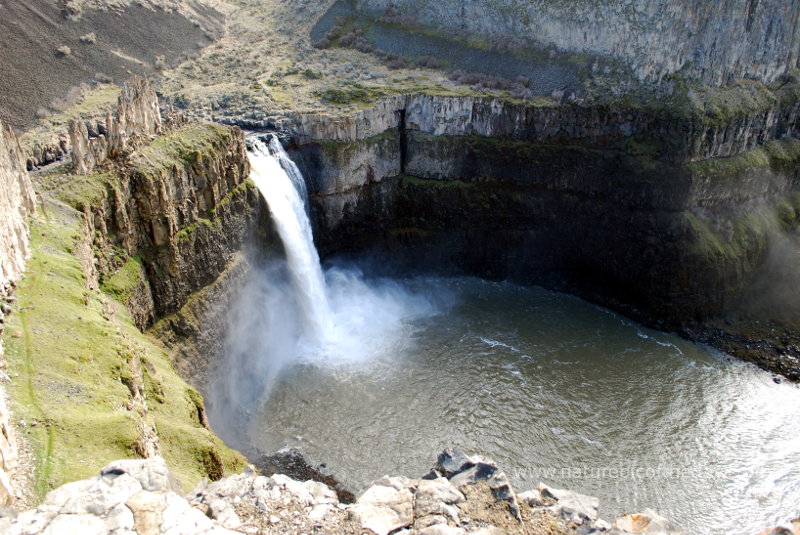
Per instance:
x=678, y=205
x=667, y=213
x=715, y=42
x=147, y=219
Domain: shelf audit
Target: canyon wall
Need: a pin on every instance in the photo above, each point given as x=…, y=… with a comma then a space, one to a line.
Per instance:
x=185, y=211
x=17, y=204
x=183, y=205
x=177, y=198
x=712, y=41
x=154, y=221
x=664, y=212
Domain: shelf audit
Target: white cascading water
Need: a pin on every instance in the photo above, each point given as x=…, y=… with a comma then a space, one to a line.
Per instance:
x=282, y=185
x=290, y=313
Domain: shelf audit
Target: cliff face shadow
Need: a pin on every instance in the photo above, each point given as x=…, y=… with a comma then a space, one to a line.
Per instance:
x=773, y=294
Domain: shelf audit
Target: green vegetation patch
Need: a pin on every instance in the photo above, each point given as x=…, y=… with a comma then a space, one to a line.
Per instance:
x=180, y=148
x=71, y=348
x=122, y=284
x=79, y=192
x=244, y=186
x=780, y=156
x=717, y=105
x=362, y=95
x=736, y=241
x=186, y=232
x=352, y=93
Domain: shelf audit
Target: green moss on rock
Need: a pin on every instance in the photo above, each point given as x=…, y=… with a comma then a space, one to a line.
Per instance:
x=79, y=192
x=124, y=282
x=180, y=148
x=779, y=155
x=71, y=349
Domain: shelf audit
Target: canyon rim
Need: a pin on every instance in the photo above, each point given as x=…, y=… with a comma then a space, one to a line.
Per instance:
x=619, y=176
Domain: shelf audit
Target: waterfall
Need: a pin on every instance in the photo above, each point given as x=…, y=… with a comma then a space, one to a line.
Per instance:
x=282, y=185
x=289, y=313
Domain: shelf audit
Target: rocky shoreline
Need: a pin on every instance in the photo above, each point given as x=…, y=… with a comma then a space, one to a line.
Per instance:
x=461, y=495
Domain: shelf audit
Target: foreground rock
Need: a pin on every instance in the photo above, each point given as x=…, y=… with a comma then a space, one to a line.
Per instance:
x=461, y=495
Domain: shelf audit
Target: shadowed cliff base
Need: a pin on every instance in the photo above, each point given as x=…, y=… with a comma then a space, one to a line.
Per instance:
x=764, y=325
x=46, y=56
x=632, y=208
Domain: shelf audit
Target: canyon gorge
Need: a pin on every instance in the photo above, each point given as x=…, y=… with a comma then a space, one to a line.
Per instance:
x=590, y=266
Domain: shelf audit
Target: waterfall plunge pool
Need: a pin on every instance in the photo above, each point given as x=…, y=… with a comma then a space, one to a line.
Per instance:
x=553, y=388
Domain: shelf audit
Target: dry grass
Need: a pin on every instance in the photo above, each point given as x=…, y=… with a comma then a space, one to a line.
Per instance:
x=261, y=67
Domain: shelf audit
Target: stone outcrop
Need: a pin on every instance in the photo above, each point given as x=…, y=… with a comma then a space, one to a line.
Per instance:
x=710, y=41
x=137, y=118
x=664, y=212
x=177, y=196
x=17, y=204
x=693, y=136
x=462, y=495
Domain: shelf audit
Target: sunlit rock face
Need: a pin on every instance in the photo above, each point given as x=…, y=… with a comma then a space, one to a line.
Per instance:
x=712, y=41
x=17, y=202
x=136, y=117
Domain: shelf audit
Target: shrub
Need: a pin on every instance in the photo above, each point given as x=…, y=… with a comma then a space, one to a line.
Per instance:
x=334, y=32
x=362, y=45
x=430, y=62
x=518, y=88
x=391, y=16
x=396, y=64
x=101, y=78
x=181, y=101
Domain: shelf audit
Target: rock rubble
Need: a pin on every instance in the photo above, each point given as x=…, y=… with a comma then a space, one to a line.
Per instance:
x=462, y=494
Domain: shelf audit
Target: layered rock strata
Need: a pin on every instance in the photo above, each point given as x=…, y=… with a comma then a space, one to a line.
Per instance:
x=177, y=197
x=713, y=42
x=666, y=213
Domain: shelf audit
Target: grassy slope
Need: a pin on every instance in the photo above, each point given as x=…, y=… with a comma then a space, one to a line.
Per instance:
x=70, y=348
